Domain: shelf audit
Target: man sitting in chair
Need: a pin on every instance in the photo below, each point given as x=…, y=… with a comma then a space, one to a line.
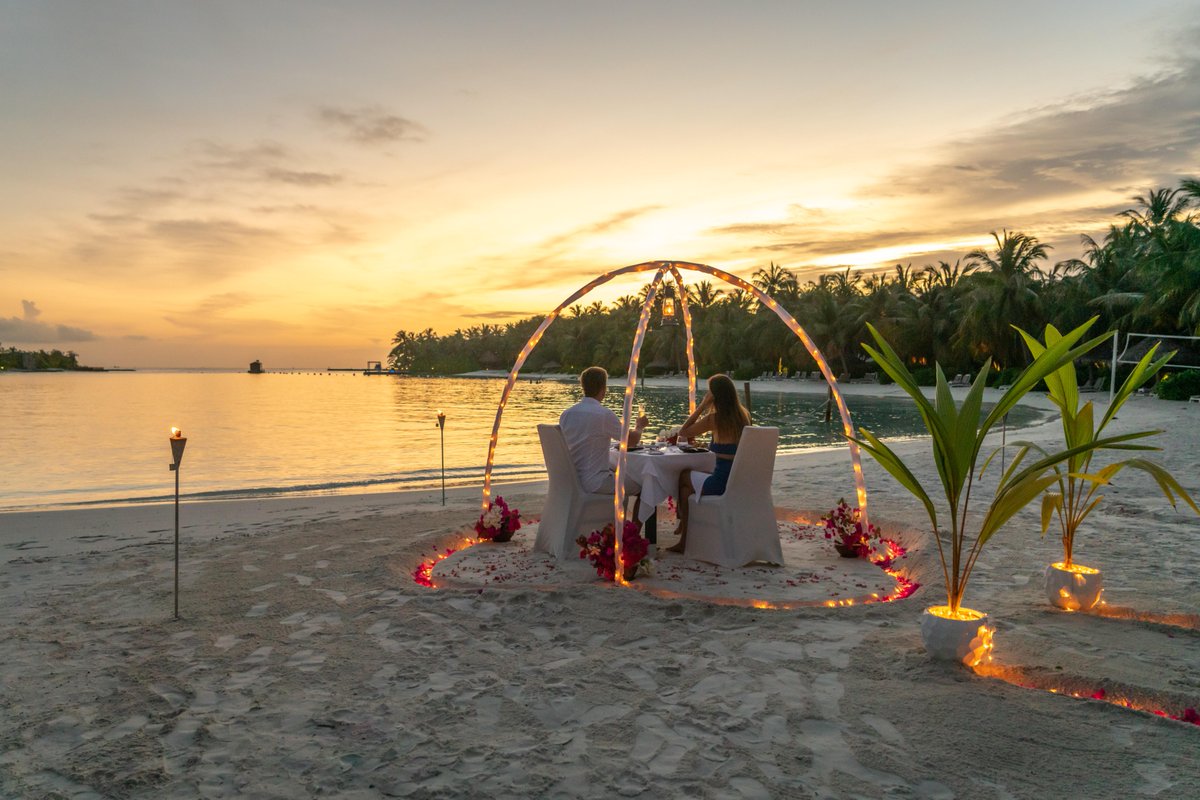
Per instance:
x=589, y=429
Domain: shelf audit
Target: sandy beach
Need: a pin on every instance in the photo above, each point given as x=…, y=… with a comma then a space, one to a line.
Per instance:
x=308, y=662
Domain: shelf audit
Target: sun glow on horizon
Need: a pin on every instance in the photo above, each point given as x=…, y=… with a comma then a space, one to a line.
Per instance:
x=328, y=203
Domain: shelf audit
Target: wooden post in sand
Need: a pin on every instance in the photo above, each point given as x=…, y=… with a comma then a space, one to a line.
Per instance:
x=749, y=406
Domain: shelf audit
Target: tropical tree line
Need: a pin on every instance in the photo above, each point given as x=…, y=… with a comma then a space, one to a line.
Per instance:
x=12, y=358
x=1142, y=275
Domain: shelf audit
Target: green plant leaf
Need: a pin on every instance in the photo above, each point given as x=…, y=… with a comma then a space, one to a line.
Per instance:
x=1051, y=503
x=1012, y=499
x=1165, y=480
x=1084, y=514
x=1144, y=370
x=967, y=438
x=896, y=467
x=1060, y=353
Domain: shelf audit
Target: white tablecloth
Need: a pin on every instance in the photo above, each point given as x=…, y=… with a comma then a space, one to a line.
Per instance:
x=658, y=472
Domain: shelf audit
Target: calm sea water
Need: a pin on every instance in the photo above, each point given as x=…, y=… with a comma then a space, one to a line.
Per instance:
x=85, y=438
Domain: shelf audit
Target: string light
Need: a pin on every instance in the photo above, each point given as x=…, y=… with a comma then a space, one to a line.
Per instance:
x=673, y=266
x=687, y=328
x=630, y=385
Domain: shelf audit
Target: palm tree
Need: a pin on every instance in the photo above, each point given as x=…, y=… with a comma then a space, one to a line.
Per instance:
x=904, y=281
x=845, y=284
x=1105, y=276
x=1159, y=206
x=776, y=281
x=1004, y=294
x=703, y=295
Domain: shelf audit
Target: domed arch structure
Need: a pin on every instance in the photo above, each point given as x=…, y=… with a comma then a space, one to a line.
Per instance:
x=661, y=269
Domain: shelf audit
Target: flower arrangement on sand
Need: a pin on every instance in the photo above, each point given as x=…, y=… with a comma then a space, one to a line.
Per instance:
x=844, y=526
x=499, y=522
x=599, y=548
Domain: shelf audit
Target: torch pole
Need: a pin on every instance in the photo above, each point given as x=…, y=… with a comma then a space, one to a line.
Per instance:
x=177, y=445
x=441, y=423
x=176, y=541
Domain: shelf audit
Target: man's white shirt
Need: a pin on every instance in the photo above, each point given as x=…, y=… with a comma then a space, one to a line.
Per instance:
x=590, y=429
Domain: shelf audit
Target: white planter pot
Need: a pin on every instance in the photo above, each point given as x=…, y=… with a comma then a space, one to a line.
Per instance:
x=1075, y=589
x=966, y=638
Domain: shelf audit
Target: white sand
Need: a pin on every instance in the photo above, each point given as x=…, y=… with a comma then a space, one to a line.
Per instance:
x=309, y=663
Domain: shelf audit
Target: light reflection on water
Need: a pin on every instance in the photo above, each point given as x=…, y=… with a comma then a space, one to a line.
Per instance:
x=73, y=438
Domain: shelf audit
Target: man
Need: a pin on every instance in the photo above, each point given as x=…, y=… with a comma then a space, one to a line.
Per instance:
x=590, y=429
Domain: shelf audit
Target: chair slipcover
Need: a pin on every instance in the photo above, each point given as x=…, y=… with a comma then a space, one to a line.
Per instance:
x=569, y=510
x=738, y=527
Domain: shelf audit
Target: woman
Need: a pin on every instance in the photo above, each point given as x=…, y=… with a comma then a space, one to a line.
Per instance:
x=722, y=414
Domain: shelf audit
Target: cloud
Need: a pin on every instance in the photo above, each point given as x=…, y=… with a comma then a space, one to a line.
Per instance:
x=371, y=125
x=266, y=161
x=562, y=241
x=210, y=316
x=1054, y=172
x=502, y=314
x=1125, y=140
x=29, y=329
x=302, y=178
x=208, y=234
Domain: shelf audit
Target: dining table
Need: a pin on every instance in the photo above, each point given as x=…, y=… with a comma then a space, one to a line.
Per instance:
x=656, y=466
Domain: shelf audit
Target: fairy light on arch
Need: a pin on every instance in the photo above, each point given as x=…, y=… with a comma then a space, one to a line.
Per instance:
x=687, y=330
x=626, y=421
x=660, y=268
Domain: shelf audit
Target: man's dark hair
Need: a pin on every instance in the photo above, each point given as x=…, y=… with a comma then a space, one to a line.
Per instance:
x=594, y=380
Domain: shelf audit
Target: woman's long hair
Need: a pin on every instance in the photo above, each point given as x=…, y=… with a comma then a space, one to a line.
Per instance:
x=729, y=416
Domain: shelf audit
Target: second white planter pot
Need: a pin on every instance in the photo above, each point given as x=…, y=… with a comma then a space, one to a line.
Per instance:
x=1074, y=588
x=965, y=637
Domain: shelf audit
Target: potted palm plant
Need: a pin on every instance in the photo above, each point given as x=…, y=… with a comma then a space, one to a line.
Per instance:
x=1070, y=585
x=953, y=631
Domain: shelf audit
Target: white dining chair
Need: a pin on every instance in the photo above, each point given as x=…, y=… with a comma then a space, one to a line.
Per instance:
x=738, y=527
x=569, y=510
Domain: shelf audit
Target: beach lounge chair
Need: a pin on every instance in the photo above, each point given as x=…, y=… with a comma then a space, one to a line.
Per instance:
x=569, y=510
x=1194, y=398
x=738, y=527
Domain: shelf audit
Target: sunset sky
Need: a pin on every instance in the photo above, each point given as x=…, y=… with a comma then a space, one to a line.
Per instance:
x=206, y=183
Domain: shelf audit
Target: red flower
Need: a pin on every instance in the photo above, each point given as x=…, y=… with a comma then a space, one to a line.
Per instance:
x=844, y=525
x=496, y=519
x=600, y=549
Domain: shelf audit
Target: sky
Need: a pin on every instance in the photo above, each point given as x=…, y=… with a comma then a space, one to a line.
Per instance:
x=192, y=184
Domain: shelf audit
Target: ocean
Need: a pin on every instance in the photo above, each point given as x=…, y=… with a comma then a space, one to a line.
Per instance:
x=73, y=439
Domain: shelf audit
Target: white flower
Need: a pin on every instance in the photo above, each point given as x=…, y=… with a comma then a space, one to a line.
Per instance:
x=492, y=518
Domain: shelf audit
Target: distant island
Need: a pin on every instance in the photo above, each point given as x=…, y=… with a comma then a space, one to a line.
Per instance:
x=12, y=359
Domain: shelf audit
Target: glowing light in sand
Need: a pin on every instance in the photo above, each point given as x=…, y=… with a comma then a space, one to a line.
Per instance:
x=1122, y=697
x=659, y=268
x=885, y=557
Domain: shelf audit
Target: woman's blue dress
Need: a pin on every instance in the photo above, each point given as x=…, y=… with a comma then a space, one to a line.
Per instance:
x=715, y=483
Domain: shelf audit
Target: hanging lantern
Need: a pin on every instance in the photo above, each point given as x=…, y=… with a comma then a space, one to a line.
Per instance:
x=668, y=311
